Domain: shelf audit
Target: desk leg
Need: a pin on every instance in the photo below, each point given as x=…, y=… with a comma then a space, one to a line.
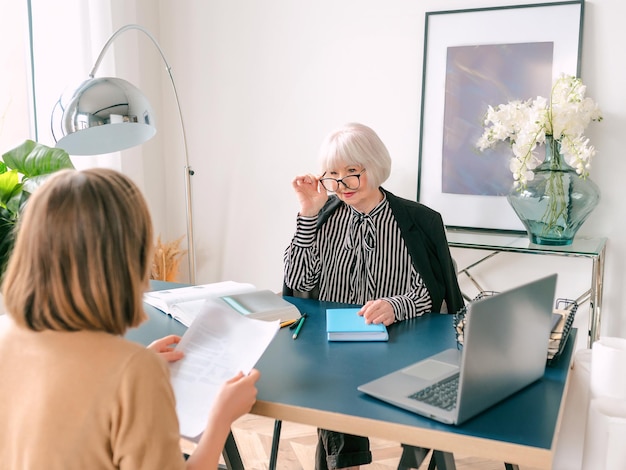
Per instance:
x=231, y=454
x=412, y=457
x=275, y=443
x=444, y=460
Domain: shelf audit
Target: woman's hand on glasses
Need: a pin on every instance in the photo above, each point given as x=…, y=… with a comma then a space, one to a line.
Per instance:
x=311, y=194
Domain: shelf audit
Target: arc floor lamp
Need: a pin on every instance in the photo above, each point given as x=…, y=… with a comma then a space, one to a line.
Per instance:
x=110, y=114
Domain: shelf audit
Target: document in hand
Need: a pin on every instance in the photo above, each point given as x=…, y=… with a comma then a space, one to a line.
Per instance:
x=344, y=324
x=263, y=305
x=219, y=343
x=184, y=303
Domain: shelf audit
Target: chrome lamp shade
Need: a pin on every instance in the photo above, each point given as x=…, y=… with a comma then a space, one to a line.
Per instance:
x=105, y=115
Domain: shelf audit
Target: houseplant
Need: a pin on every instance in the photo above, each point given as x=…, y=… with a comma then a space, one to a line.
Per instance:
x=552, y=197
x=166, y=260
x=22, y=170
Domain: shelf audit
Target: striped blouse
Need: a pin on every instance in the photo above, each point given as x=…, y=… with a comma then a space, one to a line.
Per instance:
x=355, y=258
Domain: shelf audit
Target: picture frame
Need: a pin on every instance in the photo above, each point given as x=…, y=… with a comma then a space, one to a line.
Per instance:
x=474, y=58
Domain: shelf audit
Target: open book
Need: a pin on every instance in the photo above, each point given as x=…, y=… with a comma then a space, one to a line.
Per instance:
x=219, y=343
x=184, y=303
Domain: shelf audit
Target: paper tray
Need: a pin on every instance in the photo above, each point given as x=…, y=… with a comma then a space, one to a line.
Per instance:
x=558, y=338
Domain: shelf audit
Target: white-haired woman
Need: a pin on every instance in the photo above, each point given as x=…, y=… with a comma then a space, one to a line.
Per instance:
x=358, y=243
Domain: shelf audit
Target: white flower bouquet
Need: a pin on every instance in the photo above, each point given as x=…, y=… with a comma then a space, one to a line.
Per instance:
x=525, y=124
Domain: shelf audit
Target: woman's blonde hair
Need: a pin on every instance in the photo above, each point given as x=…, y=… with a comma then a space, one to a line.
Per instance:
x=82, y=254
x=357, y=144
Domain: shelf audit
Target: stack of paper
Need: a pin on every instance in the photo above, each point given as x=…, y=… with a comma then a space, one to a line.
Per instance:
x=218, y=344
x=559, y=317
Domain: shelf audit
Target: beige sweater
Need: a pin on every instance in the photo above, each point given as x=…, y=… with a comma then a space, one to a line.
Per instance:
x=84, y=400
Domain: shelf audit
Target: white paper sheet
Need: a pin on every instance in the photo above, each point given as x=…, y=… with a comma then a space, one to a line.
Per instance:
x=219, y=343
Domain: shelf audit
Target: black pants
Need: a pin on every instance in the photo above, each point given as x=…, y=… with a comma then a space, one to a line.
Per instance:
x=339, y=450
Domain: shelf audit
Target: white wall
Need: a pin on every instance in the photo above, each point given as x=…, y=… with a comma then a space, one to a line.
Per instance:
x=262, y=83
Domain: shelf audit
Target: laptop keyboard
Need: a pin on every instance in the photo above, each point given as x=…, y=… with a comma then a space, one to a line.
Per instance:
x=441, y=395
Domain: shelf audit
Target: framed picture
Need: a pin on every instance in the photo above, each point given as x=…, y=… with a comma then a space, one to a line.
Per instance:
x=472, y=59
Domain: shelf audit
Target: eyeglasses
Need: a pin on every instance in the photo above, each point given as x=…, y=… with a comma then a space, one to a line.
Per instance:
x=351, y=182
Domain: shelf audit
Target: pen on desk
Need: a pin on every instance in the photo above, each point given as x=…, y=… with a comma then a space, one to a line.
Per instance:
x=300, y=323
x=293, y=326
x=288, y=322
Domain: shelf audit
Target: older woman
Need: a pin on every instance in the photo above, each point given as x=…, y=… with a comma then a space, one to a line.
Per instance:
x=366, y=246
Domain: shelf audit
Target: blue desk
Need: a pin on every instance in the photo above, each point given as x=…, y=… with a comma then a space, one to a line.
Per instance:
x=314, y=382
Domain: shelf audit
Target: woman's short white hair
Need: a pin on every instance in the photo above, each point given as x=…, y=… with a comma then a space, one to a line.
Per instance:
x=357, y=144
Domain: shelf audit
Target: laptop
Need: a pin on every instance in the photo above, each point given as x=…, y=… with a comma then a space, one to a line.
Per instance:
x=505, y=348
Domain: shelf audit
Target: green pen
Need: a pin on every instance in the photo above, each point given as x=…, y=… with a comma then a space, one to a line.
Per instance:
x=294, y=325
x=300, y=323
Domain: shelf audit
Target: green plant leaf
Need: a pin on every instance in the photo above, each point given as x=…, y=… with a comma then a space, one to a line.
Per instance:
x=34, y=159
x=9, y=186
x=31, y=184
x=22, y=170
x=7, y=236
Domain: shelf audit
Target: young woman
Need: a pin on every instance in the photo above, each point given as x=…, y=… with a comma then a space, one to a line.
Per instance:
x=75, y=394
x=364, y=245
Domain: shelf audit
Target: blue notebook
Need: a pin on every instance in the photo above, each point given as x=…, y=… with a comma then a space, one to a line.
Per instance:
x=343, y=324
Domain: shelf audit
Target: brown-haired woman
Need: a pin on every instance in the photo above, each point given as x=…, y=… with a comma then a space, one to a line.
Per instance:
x=75, y=394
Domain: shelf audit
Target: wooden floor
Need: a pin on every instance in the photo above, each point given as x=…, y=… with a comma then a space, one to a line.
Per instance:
x=297, y=448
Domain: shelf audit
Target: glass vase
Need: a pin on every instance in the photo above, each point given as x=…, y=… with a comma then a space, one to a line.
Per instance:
x=556, y=202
